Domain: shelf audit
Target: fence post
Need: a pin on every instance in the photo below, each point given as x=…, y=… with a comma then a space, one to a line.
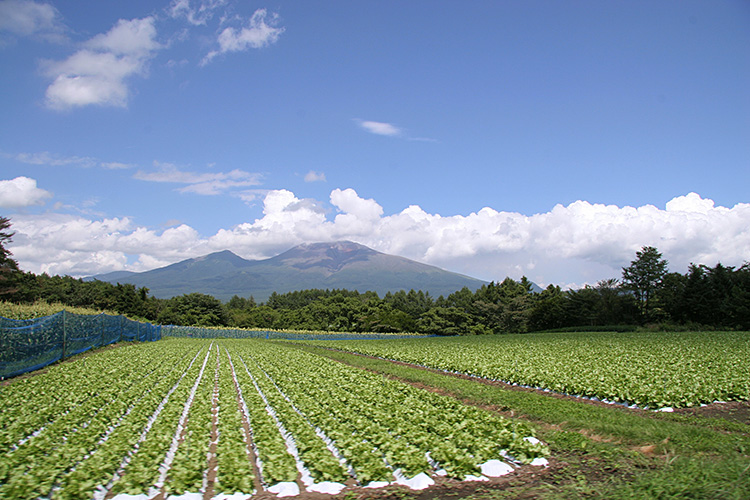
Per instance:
x=120, y=328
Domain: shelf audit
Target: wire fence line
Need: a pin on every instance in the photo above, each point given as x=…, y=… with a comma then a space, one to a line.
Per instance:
x=30, y=344
x=238, y=333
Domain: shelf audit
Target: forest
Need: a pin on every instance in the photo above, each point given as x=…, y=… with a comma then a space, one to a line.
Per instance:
x=646, y=294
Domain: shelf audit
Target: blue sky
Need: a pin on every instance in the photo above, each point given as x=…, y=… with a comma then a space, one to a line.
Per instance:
x=547, y=139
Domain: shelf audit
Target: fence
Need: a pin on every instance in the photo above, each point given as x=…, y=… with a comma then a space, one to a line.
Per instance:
x=230, y=333
x=30, y=344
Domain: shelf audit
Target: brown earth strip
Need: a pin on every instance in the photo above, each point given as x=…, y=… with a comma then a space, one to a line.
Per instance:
x=163, y=494
x=734, y=411
x=251, y=456
x=208, y=494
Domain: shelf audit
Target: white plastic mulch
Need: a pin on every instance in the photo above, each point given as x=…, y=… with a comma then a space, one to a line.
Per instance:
x=495, y=468
x=418, y=482
x=327, y=487
x=233, y=496
x=286, y=489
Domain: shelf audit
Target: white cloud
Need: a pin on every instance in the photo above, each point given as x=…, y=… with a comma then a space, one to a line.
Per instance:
x=207, y=183
x=389, y=130
x=115, y=165
x=196, y=13
x=578, y=243
x=97, y=73
x=28, y=18
x=135, y=37
x=260, y=32
x=313, y=176
x=379, y=128
x=349, y=202
x=55, y=160
x=21, y=192
x=46, y=158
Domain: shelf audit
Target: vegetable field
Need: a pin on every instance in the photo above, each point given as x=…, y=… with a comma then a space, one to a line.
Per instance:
x=646, y=369
x=231, y=418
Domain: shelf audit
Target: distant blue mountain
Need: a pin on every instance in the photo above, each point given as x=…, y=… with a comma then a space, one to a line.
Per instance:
x=335, y=265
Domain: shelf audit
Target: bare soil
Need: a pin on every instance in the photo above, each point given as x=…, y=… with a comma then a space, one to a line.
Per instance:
x=734, y=411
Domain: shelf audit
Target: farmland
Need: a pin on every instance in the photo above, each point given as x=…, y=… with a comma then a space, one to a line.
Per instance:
x=235, y=418
x=668, y=369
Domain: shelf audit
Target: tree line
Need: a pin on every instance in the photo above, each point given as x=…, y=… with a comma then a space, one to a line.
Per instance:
x=647, y=293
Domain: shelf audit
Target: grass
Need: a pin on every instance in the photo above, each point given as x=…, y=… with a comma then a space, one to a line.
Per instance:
x=603, y=451
x=40, y=309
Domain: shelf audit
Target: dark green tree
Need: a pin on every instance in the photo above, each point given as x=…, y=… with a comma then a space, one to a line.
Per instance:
x=548, y=310
x=8, y=266
x=644, y=277
x=194, y=309
x=739, y=302
x=444, y=321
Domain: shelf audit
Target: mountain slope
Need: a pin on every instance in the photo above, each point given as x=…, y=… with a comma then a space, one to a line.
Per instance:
x=340, y=264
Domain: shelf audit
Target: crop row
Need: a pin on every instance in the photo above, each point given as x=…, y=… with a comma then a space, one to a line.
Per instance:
x=645, y=369
x=76, y=439
x=383, y=429
x=233, y=416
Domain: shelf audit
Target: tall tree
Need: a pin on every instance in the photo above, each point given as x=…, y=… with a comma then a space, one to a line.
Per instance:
x=8, y=266
x=644, y=277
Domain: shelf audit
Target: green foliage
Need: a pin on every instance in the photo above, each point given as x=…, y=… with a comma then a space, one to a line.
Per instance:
x=71, y=430
x=370, y=418
x=691, y=478
x=55, y=423
x=644, y=277
x=193, y=309
x=76, y=293
x=717, y=297
x=8, y=266
x=669, y=369
x=40, y=309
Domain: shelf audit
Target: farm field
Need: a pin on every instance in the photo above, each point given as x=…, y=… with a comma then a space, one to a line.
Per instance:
x=235, y=418
x=645, y=369
x=193, y=419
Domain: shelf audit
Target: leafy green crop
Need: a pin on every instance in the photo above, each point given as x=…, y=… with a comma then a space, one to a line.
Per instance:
x=642, y=368
x=140, y=419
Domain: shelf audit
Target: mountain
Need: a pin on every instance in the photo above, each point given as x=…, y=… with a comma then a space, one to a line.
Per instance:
x=341, y=264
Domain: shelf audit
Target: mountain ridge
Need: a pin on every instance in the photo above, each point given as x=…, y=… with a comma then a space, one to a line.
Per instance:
x=331, y=265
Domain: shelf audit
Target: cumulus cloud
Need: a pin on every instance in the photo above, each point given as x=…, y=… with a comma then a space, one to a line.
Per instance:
x=21, y=192
x=260, y=32
x=28, y=18
x=313, y=176
x=379, y=128
x=207, y=183
x=578, y=243
x=97, y=73
x=352, y=206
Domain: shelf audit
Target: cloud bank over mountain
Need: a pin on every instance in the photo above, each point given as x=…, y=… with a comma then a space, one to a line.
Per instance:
x=568, y=245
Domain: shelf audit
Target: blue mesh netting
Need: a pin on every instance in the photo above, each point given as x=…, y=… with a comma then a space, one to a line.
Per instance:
x=229, y=333
x=30, y=344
